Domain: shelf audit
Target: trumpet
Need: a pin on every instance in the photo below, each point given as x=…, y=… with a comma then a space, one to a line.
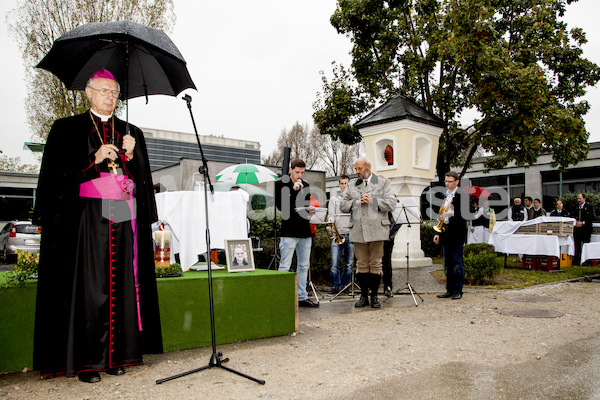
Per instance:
x=439, y=227
x=334, y=234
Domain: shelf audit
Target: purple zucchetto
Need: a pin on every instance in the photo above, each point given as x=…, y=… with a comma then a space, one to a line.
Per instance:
x=104, y=74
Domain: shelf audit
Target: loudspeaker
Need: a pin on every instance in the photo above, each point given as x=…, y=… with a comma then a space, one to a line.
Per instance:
x=285, y=169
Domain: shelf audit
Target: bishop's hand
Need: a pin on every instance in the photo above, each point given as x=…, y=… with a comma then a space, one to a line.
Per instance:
x=106, y=151
x=128, y=145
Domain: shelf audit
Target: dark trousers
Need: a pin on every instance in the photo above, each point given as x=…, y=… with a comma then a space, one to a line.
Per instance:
x=388, y=246
x=455, y=268
x=579, y=238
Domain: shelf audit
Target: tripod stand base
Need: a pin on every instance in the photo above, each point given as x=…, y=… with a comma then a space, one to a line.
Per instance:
x=412, y=293
x=351, y=284
x=316, y=292
x=215, y=362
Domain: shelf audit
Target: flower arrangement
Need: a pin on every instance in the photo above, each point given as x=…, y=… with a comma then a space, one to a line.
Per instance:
x=172, y=270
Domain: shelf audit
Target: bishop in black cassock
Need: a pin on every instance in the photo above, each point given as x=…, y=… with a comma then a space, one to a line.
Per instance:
x=97, y=303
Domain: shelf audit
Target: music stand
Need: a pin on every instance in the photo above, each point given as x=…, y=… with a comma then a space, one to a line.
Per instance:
x=407, y=212
x=316, y=219
x=215, y=359
x=352, y=283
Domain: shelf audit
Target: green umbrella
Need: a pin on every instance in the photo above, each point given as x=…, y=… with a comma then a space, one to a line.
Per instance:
x=246, y=173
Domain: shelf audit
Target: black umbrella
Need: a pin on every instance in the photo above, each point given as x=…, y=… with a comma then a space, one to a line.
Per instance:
x=143, y=60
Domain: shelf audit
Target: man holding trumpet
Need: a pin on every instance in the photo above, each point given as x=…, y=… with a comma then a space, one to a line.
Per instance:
x=342, y=223
x=452, y=236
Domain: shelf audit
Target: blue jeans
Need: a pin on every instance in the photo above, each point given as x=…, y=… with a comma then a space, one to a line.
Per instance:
x=287, y=246
x=455, y=268
x=338, y=281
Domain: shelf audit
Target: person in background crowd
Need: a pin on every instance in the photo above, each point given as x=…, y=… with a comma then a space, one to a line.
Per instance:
x=517, y=211
x=342, y=223
x=538, y=211
x=388, y=247
x=528, y=202
x=477, y=225
x=559, y=210
x=582, y=233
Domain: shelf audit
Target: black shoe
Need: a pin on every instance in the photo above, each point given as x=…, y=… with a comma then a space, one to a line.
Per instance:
x=116, y=371
x=89, y=377
x=387, y=291
x=445, y=295
x=334, y=291
x=362, y=302
x=375, y=302
x=456, y=296
x=307, y=303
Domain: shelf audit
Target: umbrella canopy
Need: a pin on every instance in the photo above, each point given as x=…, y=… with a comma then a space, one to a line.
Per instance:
x=476, y=191
x=143, y=60
x=246, y=173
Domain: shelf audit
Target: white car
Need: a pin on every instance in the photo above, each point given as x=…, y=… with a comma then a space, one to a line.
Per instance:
x=19, y=235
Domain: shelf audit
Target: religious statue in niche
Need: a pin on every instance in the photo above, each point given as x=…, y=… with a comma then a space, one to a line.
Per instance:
x=388, y=155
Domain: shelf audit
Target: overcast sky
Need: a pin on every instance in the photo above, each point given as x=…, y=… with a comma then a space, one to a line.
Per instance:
x=256, y=66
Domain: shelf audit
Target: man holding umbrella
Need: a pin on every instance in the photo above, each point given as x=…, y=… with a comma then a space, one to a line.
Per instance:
x=97, y=303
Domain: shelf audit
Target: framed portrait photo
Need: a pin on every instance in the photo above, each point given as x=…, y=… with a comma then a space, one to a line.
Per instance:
x=238, y=253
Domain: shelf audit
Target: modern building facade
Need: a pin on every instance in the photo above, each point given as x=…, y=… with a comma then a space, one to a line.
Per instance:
x=166, y=148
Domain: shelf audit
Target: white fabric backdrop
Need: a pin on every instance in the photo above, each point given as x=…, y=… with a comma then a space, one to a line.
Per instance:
x=184, y=212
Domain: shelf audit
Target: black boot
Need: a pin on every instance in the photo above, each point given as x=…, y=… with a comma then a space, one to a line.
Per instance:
x=363, y=282
x=374, y=287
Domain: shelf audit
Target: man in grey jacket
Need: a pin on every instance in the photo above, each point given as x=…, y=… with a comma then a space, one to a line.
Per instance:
x=369, y=199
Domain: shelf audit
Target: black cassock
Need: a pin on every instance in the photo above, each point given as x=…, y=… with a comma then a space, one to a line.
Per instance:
x=89, y=315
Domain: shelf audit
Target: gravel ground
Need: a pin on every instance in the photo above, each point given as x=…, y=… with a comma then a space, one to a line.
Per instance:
x=466, y=347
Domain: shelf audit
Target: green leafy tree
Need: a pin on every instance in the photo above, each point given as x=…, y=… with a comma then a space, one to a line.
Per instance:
x=514, y=62
x=35, y=25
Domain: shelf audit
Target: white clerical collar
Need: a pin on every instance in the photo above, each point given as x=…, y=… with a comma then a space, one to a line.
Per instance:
x=103, y=118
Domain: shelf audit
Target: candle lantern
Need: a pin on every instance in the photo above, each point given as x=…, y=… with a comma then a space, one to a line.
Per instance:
x=162, y=248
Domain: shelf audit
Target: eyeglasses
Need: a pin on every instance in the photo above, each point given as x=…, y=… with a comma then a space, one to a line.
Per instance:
x=105, y=92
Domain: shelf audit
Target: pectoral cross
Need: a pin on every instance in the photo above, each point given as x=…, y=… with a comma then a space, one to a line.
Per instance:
x=113, y=165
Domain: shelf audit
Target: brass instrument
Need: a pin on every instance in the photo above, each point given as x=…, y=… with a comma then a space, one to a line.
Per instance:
x=334, y=234
x=439, y=227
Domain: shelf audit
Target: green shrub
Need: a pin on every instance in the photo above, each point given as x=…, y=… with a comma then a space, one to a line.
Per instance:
x=482, y=267
x=427, y=233
x=475, y=248
x=26, y=268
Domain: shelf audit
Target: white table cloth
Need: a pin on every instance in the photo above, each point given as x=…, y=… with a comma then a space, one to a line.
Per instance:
x=505, y=241
x=184, y=213
x=590, y=251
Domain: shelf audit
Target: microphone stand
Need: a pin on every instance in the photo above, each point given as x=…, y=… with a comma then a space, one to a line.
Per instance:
x=215, y=359
x=276, y=258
